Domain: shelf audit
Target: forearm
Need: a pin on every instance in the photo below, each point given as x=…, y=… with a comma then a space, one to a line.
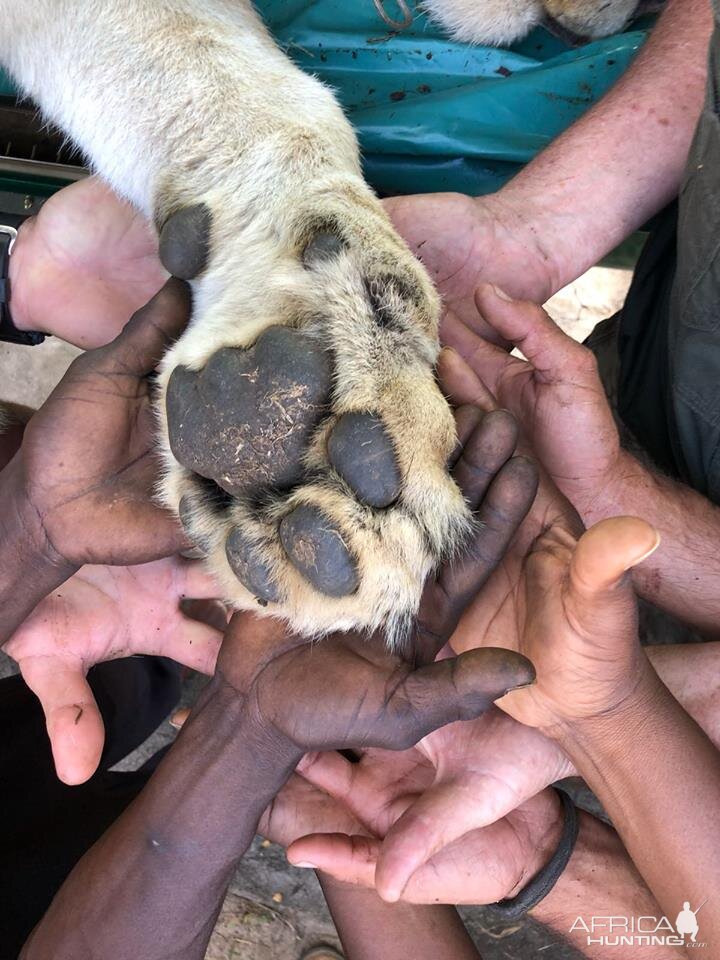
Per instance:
x=658, y=777
x=370, y=928
x=197, y=59
x=599, y=882
x=678, y=577
x=691, y=672
x=630, y=150
x=154, y=883
x=13, y=418
x=29, y=567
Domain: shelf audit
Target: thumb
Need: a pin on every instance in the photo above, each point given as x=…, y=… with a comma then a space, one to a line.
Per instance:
x=459, y=688
x=73, y=720
x=607, y=551
x=553, y=354
x=140, y=346
x=439, y=816
x=348, y=859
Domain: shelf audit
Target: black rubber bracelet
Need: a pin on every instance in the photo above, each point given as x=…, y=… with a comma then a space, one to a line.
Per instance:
x=9, y=333
x=543, y=881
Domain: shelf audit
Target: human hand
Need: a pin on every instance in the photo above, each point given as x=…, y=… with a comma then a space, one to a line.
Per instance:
x=484, y=866
x=556, y=394
x=350, y=691
x=464, y=241
x=579, y=621
x=456, y=780
x=582, y=626
x=83, y=265
x=105, y=613
x=87, y=465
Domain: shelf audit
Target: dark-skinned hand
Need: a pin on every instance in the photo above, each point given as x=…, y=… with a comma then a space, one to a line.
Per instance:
x=87, y=463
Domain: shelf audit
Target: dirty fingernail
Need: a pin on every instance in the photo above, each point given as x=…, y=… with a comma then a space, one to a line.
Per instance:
x=519, y=686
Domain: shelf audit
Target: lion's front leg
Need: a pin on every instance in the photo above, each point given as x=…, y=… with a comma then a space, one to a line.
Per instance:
x=305, y=439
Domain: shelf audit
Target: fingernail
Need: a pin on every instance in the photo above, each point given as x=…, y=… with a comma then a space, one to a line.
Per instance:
x=501, y=293
x=519, y=686
x=303, y=864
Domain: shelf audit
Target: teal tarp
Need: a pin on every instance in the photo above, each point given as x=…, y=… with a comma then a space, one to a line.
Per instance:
x=436, y=115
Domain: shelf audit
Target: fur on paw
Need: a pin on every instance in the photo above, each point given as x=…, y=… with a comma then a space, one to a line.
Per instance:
x=492, y=22
x=502, y=22
x=306, y=439
x=591, y=18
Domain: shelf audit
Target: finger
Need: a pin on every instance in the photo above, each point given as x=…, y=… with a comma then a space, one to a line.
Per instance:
x=607, y=551
x=150, y=331
x=374, y=805
x=553, y=354
x=73, y=720
x=489, y=446
x=348, y=859
x=467, y=418
x=505, y=506
x=444, y=813
x=195, y=645
x=178, y=718
x=213, y=613
x=461, y=688
x=486, y=359
x=438, y=817
x=197, y=583
x=329, y=771
x=461, y=385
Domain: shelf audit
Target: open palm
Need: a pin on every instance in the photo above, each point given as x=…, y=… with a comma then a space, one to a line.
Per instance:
x=104, y=613
x=456, y=780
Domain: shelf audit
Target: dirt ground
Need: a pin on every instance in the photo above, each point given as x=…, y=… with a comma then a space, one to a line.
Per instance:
x=274, y=911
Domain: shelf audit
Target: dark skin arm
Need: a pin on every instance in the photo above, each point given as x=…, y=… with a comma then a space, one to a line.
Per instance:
x=13, y=418
x=370, y=928
x=153, y=885
x=79, y=488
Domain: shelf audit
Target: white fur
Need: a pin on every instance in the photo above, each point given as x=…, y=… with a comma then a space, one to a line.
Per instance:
x=495, y=22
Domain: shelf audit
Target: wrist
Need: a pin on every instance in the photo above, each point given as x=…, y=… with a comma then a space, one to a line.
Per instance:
x=627, y=489
x=588, y=740
x=226, y=709
x=20, y=273
x=599, y=878
x=30, y=568
x=520, y=227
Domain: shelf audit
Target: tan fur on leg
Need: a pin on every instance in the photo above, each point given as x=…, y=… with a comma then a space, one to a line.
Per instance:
x=592, y=18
